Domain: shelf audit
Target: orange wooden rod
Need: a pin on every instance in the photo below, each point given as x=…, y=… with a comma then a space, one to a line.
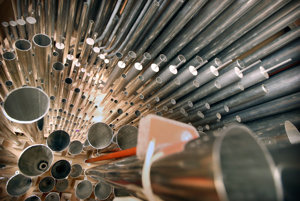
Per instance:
x=118, y=154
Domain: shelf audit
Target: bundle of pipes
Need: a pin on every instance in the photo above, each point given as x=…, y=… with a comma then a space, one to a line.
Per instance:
x=88, y=71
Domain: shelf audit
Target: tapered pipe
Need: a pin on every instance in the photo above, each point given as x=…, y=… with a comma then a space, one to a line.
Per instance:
x=31, y=27
x=60, y=169
x=61, y=185
x=13, y=27
x=99, y=135
x=58, y=140
x=84, y=189
x=18, y=185
x=76, y=170
x=21, y=28
x=102, y=190
x=35, y=160
x=13, y=68
x=52, y=197
x=126, y=137
x=75, y=147
x=69, y=27
x=41, y=48
x=46, y=184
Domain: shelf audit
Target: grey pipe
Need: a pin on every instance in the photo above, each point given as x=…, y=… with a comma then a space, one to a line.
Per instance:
x=18, y=185
x=99, y=135
x=84, y=189
x=60, y=169
x=46, y=184
x=61, y=185
x=13, y=69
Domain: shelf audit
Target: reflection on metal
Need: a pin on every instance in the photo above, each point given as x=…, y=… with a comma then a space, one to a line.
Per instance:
x=46, y=184
x=52, y=197
x=58, y=140
x=35, y=160
x=84, y=189
x=60, y=169
x=76, y=170
x=18, y=185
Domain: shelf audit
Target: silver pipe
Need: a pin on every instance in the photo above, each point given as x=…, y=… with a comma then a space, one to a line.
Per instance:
x=87, y=46
x=141, y=26
x=60, y=169
x=41, y=48
x=46, y=184
x=61, y=185
x=126, y=137
x=18, y=185
x=233, y=164
x=70, y=27
x=102, y=190
x=31, y=27
x=13, y=28
x=218, y=26
x=76, y=170
x=7, y=34
x=52, y=197
x=266, y=29
x=255, y=16
x=273, y=46
x=114, y=75
x=21, y=28
x=24, y=53
x=209, y=12
x=84, y=189
x=276, y=106
x=58, y=140
x=185, y=14
x=13, y=68
x=99, y=135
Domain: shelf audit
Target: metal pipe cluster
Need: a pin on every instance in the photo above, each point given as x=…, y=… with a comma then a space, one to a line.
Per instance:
x=89, y=70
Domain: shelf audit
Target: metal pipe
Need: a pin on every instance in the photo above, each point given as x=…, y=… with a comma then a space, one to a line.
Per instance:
x=210, y=11
x=266, y=29
x=13, y=68
x=41, y=48
x=218, y=26
x=255, y=16
x=99, y=135
x=58, y=140
x=24, y=53
x=76, y=171
x=273, y=46
x=46, y=184
x=114, y=75
x=7, y=34
x=102, y=190
x=61, y=185
x=84, y=189
x=21, y=28
x=182, y=178
x=184, y=15
x=18, y=185
x=35, y=160
x=126, y=137
x=60, y=169
x=276, y=106
x=13, y=27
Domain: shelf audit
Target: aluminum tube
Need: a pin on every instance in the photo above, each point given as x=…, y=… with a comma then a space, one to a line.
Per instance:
x=125, y=27
x=94, y=55
x=133, y=72
x=59, y=22
x=87, y=46
x=142, y=25
x=276, y=106
x=282, y=84
x=69, y=28
x=98, y=19
x=80, y=26
x=18, y=185
x=128, y=118
x=84, y=189
x=213, y=86
x=209, y=12
x=235, y=165
x=238, y=63
x=46, y=184
x=110, y=22
x=30, y=27
x=113, y=115
x=250, y=79
x=126, y=137
x=290, y=51
x=21, y=28
x=60, y=169
x=41, y=48
x=181, y=79
x=114, y=75
x=4, y=74
x=124, y=15
x=99, y=135
x=7, y=34
x=255, y=16
x=13, y=68
x=184, y=15
x=59, y=48
x=273, y=46
x=57, y=70
x=66, y=88
x=152, y=86
x=24, y=53
x=102, y=190
x=160, y=23
x=218, y=26
x=13, y=28
x=208, y=120
x=133, y=29
x=266, y=29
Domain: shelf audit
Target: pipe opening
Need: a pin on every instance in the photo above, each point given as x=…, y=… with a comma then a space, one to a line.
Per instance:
x=23, y=45
x=42, y=40
x=9, y=56
x=58, y=66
